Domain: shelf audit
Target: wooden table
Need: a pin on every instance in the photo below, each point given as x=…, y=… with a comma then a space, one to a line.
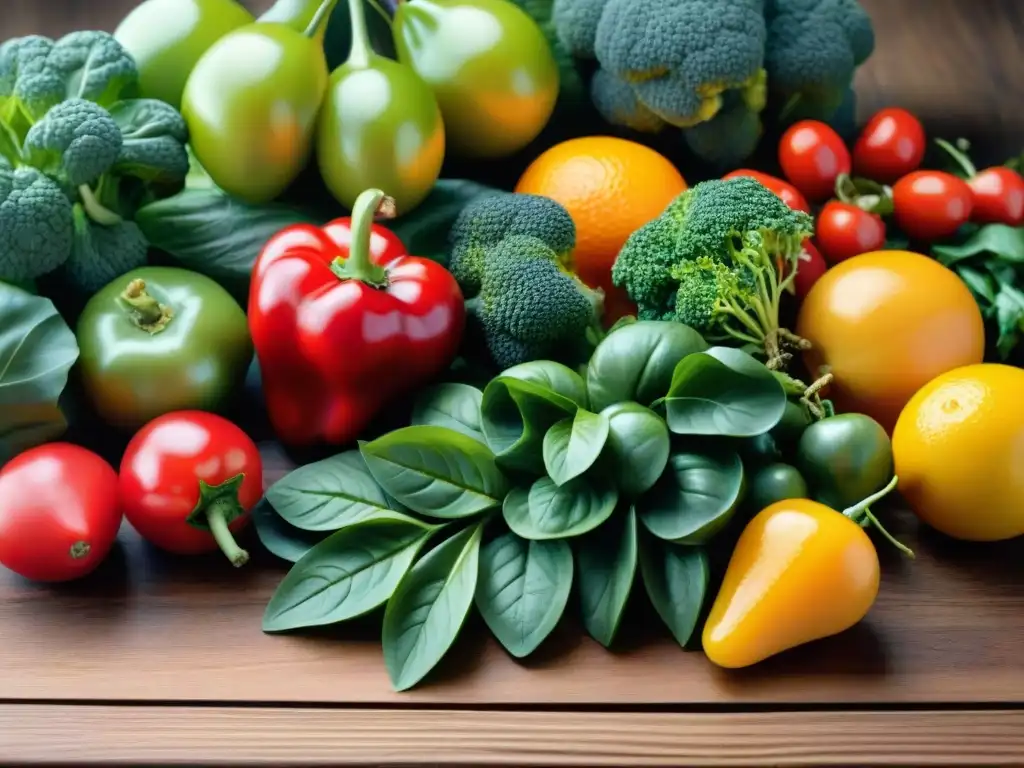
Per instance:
x=160, y=661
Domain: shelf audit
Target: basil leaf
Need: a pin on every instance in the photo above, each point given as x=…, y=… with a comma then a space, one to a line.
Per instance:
x=37, y=350
x=981, y=283
x=280, y=538
x=676, y=580
x=452, y=405
x=550, y=511
x=695, y=497
x=554, y=377
x=523, y=590
x=606, y=563
x=348, y=574
x=637, y=360
x=723, y=391
x=424, y=616
x=436, y=471
x=572, y=446
x=328, y=494
x=999, y=240
x=514, y=417
x=637, y=448
x=1009, y=306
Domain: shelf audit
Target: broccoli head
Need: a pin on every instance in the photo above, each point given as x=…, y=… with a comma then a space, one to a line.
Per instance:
x=728, y=138
x=100, y=253
x=576, y=23
x=35, y=224
x=616, y=101
x=154, y=136
x=76, y=141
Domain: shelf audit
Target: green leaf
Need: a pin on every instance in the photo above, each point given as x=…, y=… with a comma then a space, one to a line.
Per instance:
x=452, y=405
x=424, y=616
x=328, y=494
x=638, y=446
x=280, y=538
x=1009, y=306
x=606, y=563
x=572, y=446
x=695, y=497
x=981, y=283
x=37, y=350
x=348, y=574
x=676, y=580
x=550, y=511
x=554, y=377
x=523, y=590
x=1001, y=240
x=723, y=392
x=436, y=471
x=637, y=360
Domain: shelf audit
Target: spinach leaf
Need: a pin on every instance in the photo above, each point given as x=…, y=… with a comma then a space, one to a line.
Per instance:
x=638, y=446
x=637, y=360
x=37, y=350
x=280, y=538
x=606, y=562
x=424, y=616
x=554, y=377
x=550, y=511
x=725, y=392
x=676, y=580
x=436, y=471
x=695, y=497
x=572, y=446
x=328, y=494
x=452, y=405
x=1000, y=240
x=523, y=590
x=1009, y=315
x=348, y=574
x=515, y=415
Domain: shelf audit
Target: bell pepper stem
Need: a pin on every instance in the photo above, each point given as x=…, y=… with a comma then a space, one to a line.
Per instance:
x=359, y=265
x=146, y=312
x=361, y=53
x=861, y=514
x=959, y=158
x=217, y=515
x=322, y=12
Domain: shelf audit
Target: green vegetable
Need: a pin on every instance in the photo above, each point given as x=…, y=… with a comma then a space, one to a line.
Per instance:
x=452, y=405
x=714, y=260
x=297, y=14
x=547, y=510
x=571, y=446
x=36, y=228
x=280, y=538
x=75, y=141
x=161, y=339
x=606, y=562
x=732, y=135
x=638, y=447
x=152, y=137
x=772, y=483
x=795, y=419
x=99, y=254
x=37, y=350
x=844, y=458
x=676, y=580
x=616, y=100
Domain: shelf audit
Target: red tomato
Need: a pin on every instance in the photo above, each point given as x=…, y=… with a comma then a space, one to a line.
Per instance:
x=188, y=480
x=891, y=145
x=811, y=267
x=58, y=512
x=812, y=156
x=843, y=231
x=998, y=196
x=790, y=195
x=931, y=205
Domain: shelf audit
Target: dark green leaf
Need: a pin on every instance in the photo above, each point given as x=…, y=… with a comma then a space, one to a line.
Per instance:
x=550, y=511
x=981, y=283
x=280, y=538
x=723, y=392
x=452, y=405
x=695, y=497
x=572, y=446
x=637, y=360
x=523, y=589
x=999, y=240
x=436, y=471
x=1009, y=305
x=424, y=230
x=348, y=574
x=556, y=378
x=424, y=616
x=637, y=448
x=606, y=563
x=676, y=579
x=37, y=350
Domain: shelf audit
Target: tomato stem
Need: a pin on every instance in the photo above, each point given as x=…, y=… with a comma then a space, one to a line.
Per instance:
x=358, y=265
x=217, y=515
x=146, y=312
x=322, y=12
x=958, y=157
x=79, y=550
x=861, y=514
x=361, y=53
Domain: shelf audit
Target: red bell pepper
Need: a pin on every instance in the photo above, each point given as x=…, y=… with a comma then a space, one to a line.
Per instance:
x=343, y=320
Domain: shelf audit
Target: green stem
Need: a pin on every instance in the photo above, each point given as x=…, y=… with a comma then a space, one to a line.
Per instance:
x=146, y=312
x=95, y=209
x=322, y=12
x=381, y=12
x=358, y=265
x=860, y=513
x=959, y=158
x=217, y=515
x=10, y=146
x=361, y=53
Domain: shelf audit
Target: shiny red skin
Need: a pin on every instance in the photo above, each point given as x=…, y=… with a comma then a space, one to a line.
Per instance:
x=790, y=195
x=332, y=352
x=813, y=156
x=810, y=269
x=843, y=231
x=998, y=195
x=161, y=469
x=52, y=498
x=892, y=144
x=931, y=205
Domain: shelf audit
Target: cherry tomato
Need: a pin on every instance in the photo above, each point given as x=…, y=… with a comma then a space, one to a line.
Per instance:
x=844, y=231
x=812, y=156
x=188, y=481
x=998, y=196
x=58, y=512
x=811, y=267
x=790, y=195
x=931, y=205
x=891, y=145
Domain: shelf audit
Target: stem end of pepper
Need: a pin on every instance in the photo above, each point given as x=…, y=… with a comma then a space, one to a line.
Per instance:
x=145, y=311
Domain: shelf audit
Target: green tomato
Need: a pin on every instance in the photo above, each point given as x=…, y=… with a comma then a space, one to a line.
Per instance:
x=489, y=65
x=759, y=449
x=844, y=459
x=161, y=339
x=251, y=105
x=167, y=37
x=795, y=419
x=772, y=483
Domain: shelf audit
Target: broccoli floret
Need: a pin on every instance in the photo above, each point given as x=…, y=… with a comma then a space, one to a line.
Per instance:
x=100, y=253
x=813, y=49
x=576, y=24
x=154, y=136
x=617, y=103
x=35, y=224
x=487, y=221
x=737, y=223
x=76, y=141
x=530, y=307
x=729, y=137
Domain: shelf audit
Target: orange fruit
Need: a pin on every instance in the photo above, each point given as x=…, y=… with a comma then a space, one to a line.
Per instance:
x=885, y=323
x=958, y=449
x=611, y=187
